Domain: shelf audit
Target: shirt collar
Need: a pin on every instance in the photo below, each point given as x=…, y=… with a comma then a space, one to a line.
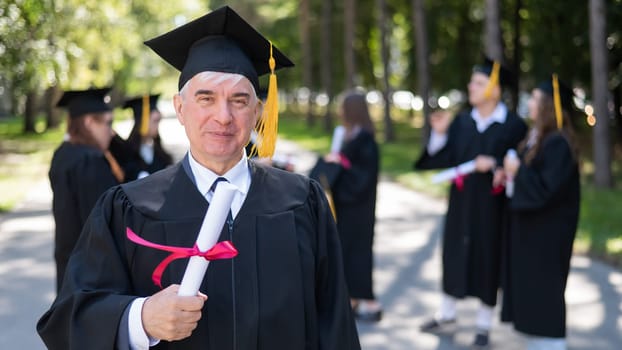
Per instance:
x=239, y=175
x=498, y=115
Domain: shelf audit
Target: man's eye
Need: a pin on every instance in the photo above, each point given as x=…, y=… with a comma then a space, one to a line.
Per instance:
x=241, y=102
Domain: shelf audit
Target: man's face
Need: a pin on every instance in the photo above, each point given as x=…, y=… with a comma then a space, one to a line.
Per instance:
x=218, y=115
x=477, y=87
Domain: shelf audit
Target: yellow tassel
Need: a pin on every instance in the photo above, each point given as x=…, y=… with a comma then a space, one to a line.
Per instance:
x=144, y=120
x=557, y=102
x=494, y=79
x=267, y=128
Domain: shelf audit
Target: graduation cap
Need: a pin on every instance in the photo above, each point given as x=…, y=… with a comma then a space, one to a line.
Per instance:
x=499, y=75
x=142, y=107
x=222, y=41
x=562, y=96
x=81, y=102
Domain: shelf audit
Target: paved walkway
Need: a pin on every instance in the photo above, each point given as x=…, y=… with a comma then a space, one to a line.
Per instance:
x=407, y=274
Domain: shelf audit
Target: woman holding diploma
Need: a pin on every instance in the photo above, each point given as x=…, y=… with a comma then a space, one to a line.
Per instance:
x=544, y=214
x=285, y=288
x=473, y=224
x=354, y=195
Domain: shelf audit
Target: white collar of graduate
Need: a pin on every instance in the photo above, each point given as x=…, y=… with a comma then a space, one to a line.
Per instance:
x=239, y=175
x=498, y=115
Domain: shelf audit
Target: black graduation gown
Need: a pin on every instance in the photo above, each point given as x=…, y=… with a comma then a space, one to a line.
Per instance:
x=474, y=221
x=544, y=217
x=289, y=286
x=354, y=195
x=78, y=174
x=132, y=162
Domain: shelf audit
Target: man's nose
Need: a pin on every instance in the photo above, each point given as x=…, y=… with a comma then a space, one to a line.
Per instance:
x=224, y=112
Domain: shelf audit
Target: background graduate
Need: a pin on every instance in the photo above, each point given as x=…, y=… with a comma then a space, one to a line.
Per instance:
x=544, y=215
x=81, y=169
x=145, y=152
x=473, y=227
x=284, y=290
x=354, y=195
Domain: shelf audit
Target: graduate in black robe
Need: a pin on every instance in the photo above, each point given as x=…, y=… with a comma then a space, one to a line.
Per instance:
x=284, y=290
x=544, y=215
x=354, y=196
x=79, y=172
x=472, y=235
x=144, y=153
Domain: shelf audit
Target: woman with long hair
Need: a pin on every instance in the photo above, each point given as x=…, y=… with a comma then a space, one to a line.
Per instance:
x=354, y=196
x=544, y=212
x=81, y=169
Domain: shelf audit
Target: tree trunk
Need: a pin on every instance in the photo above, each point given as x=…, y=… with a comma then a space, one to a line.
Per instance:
x=423, y=64
x=30, y=112
x=349, y=15
x=326, y=66
x=305, y=42
x=492, y=31
x=598, y=48
x=386, y=88
x=517, y=55
x=52, y=116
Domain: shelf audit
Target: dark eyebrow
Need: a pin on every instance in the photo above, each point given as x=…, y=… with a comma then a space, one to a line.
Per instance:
x=203, y=92
x=241, y=94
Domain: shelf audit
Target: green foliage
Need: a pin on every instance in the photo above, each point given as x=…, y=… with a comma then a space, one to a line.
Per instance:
x=24, y=159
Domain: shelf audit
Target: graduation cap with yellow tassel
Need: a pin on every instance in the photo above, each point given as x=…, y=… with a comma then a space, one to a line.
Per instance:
x=222, y=41
x=497, y=73
x=142, y=107
x=562, y=97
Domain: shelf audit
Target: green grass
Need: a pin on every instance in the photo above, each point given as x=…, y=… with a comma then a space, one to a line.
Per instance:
x=600, y=224
x=24, y=158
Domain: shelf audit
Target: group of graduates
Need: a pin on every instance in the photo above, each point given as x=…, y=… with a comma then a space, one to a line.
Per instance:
x=519, y=239
x=94, y=158
x=118, y=285
x=303, y=272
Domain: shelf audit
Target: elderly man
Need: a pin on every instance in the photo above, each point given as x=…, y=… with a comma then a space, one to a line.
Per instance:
x=284, y=290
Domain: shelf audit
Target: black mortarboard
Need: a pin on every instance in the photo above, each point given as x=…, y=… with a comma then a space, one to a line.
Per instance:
x=566, y=95
x=504, y=75
x=220, y=41
x=137, y=105
x=142, y=107
x=81, y=102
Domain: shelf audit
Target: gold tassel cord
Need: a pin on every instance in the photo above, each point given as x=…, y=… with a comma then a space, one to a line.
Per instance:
x=494, y=79
x=116, y=169
x=557, y=102
x=268, y=124
x=144, y=120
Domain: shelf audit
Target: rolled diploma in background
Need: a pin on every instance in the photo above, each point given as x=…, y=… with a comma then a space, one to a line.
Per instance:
x=452, y=173
x=337, y=141
x=213, y=222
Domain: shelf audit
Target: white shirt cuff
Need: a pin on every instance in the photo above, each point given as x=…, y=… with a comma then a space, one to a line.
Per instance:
x=138, y=337
x=436, y=143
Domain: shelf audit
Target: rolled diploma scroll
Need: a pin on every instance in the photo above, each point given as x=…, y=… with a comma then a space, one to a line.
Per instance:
x=213, y=222
x=452, y=173
x=337, y=141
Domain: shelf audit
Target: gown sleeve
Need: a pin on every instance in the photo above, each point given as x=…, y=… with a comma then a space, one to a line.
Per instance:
x=335, y=320
x=536, y=184
x=444, y=157
x=94, y=295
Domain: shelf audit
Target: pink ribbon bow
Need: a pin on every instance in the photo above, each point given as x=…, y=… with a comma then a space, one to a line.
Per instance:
x=221, y=250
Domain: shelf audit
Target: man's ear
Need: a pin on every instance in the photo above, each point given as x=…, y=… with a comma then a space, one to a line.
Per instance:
x=177, y=103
